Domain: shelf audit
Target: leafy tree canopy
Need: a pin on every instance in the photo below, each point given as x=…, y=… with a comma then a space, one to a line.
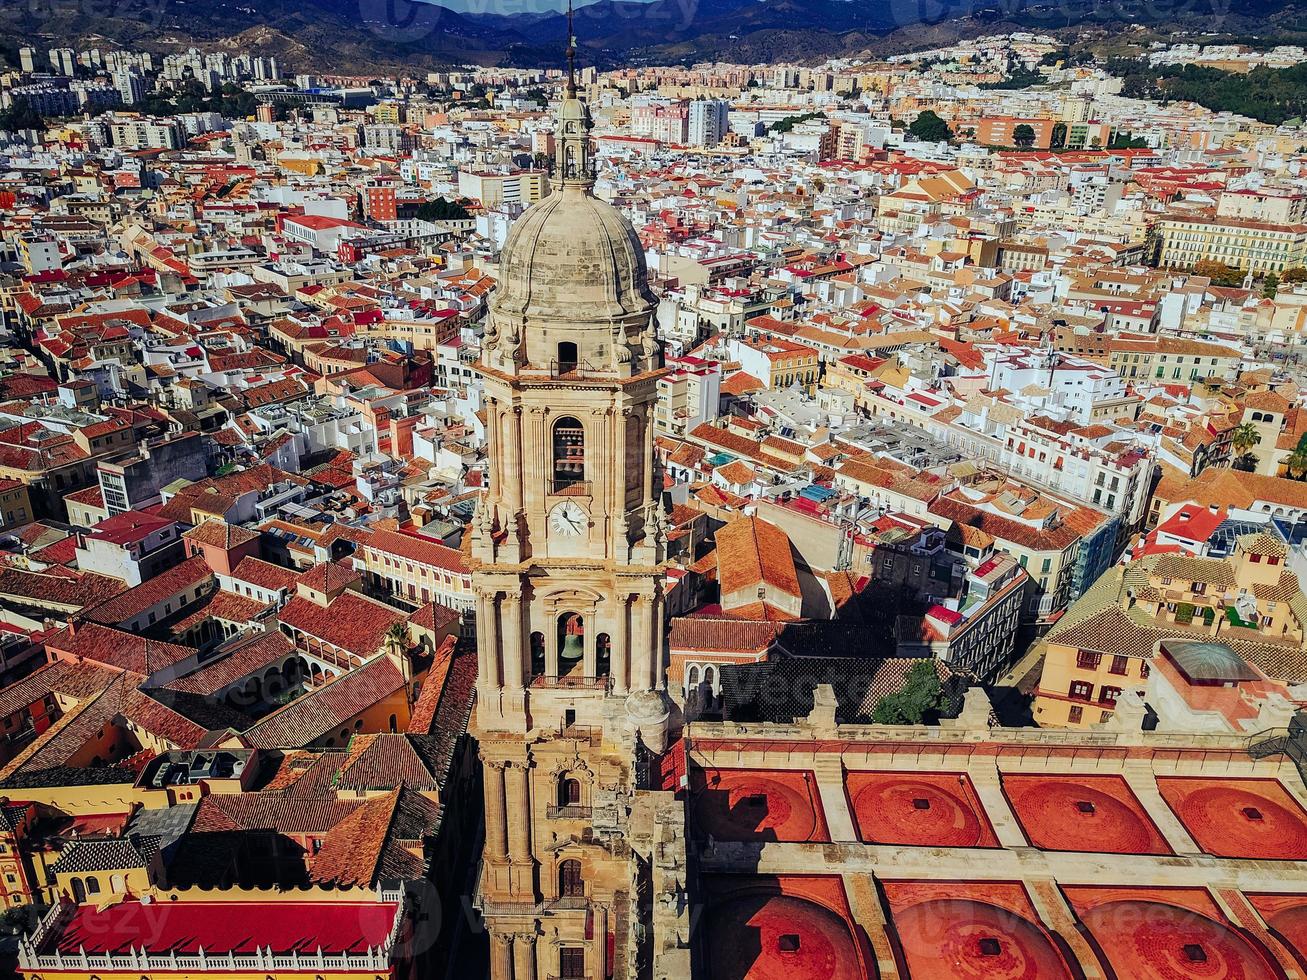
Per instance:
x=920, y=697
x=930, y=127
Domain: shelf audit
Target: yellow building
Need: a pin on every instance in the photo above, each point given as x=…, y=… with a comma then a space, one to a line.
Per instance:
x=1107, y=639
x=1260, y=247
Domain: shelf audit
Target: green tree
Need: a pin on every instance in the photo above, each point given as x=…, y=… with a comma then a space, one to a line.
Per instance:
x=920, y=697
x=442, y=210
x=1244, y=437
x=1220, y=273
x=1057, y=140
x=1296, y=462
x=1295, y=275
x=1126, y=140
x=20, y=115
x=1270, y=285
x=1247, y=462
x=397, y=638
x=930, y=127
x=1024, y=135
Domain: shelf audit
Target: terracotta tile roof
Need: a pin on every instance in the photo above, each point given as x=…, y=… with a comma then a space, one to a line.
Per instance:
x=264, y=574
x=351, y=622
x=702, y=633
x=116, y=648
x=414, y=548
x=270, y=811
x=385, y=761
x=77, y=681
x=187, y=576
x=218, y=533
x=248, y=658
x=76, y=590
x=323, y=710
x=750, y=552
x=329, y=576
x=383, y=839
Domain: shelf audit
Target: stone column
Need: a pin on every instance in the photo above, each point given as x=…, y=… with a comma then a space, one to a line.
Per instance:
x=551, y=645
x=511, y=642
x=619, y=659
x=647, y=455
x=517, y=799
x=524, y=956
x=589, y=642
x=496, y=828
x=511, y=491
x=488, y=635
x=501, y=956
x=641, y=666
x=493, y=442
x=659, y=678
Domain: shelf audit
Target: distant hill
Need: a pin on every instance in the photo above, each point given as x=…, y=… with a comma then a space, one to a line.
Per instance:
x=360, y=36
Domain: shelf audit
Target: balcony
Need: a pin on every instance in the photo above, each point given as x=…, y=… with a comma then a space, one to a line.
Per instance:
x=570, y=812
x=576, y=682
x=570, y=488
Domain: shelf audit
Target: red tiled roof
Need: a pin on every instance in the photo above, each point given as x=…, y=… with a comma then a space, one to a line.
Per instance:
x=320, y=712
x=351, y=622
x=183, y=577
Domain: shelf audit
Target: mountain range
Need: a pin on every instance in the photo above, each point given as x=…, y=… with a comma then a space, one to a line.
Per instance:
x=359, y=36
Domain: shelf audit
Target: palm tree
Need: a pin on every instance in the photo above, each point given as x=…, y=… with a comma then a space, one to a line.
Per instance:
x=397, y=638
x=1245, y=436
x=1296, y=462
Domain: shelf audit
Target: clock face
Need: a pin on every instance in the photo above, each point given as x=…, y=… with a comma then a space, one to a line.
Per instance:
x=568, y=519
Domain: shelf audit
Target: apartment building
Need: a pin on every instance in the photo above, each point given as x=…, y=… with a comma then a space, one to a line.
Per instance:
x=1107, y=642
x=1258, y=246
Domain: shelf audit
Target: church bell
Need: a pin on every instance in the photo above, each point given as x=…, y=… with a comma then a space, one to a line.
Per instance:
x=573, y=647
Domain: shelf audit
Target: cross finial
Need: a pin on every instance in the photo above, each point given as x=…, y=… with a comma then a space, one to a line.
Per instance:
x=571, y=54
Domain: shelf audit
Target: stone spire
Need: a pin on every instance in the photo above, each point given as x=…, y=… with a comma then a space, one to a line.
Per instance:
x=573, y=149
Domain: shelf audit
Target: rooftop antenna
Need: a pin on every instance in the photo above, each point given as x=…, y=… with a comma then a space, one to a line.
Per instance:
x=571, y=54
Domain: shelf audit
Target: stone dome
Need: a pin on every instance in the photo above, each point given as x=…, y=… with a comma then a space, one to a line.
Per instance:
x=572, y=257
x=573, y=293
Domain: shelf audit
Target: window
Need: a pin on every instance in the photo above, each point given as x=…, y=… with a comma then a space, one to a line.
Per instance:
x=1108, y=695
x=569, y=792
x=1075, y=714
x=570, y=884
x=569, y=453
x=566, y=357
x=1081, y=690
x=571, y=963
x=1120, y=665
x=1088, y=660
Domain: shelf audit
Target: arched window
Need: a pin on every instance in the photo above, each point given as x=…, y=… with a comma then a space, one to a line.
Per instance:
x=570, y=884
x=569, y=791
x=709, y=677
x=603, y=655
x=394, y=724
x=693, y=677
x=569, y=449
x=79, y=890
x=92, y=885
x=117, y=884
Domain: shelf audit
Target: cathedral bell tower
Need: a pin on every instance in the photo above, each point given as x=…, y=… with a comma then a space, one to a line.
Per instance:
x=567, y=562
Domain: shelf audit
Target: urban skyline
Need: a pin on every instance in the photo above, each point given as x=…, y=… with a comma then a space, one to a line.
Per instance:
x=837, y=520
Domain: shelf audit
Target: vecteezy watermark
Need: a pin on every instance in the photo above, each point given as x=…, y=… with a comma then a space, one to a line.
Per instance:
x=400, y=21
x=1047, y=14
x=150, y=12
x=407, y=21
